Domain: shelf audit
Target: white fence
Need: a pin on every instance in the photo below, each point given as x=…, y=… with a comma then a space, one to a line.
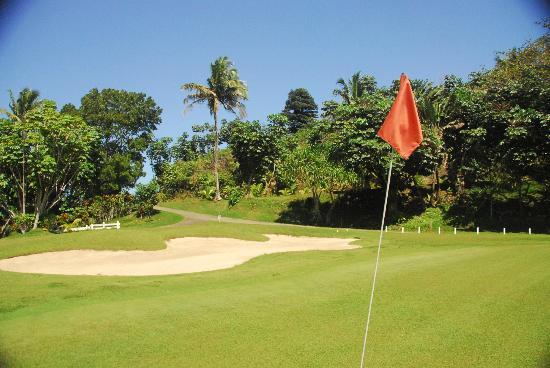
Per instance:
x=455, y=230
x=102, y=226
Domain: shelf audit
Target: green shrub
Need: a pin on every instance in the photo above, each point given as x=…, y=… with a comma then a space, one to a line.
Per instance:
x=234, y=195
x=207, y=193
x=256, y=189
x=431, y=219
x=146, y=199
x=22, y=222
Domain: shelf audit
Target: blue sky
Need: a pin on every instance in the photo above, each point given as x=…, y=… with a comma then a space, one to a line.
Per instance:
x=64, y=48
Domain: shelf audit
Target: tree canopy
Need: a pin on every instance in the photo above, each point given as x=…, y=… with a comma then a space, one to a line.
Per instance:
x=484, y=161
x=55, y=149
x=300, y=109
x=126, y=122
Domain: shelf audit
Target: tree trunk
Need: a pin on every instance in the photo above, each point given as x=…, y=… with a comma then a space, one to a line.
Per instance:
x=316, y=207
x=329, y=212
x=437, y=186
x=433, y=200
x=23, y=195
x=36, y=218
x=217, y=197
x=39, y=208
x=4, y=227
x=23, y=185
x=520, y=197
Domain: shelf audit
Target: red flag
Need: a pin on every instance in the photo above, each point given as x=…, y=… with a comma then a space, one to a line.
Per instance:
x=401, y=129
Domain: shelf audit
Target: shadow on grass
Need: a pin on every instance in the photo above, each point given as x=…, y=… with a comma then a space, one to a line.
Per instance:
x=471, y=211
x=355, y=209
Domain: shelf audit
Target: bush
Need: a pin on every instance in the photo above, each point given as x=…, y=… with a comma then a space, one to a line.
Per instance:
x=22, y=222
x=177, y=177
x=54, y=223
x=197, y=176
x=431, y=219
x=207, y=193
x=146, y=199
x=234, y=195
x=256, y=189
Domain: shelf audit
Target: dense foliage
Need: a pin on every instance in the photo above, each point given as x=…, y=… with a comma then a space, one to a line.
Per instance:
x=484, y=161
x=223, y=88
x=55, y=162
x=300, y=109
x=42, y=156
x=126, y=122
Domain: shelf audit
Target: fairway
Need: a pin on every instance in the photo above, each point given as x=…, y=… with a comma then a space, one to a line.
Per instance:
x=441, y=301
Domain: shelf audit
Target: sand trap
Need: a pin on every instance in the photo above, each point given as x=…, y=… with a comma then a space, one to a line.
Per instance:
x=182, y=255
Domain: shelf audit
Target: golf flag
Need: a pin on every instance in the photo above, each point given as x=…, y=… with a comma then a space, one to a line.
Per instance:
x=401, y=129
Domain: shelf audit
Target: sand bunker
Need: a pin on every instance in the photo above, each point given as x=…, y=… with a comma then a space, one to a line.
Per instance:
x=182, y=255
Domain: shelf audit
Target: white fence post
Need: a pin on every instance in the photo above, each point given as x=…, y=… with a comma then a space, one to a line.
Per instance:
x=439, y=230
x=402, y=230
x=455, y=230
x=419, y=229
x=529, y=231
x=504, y=231
x=386, y=228
x=477, y=230
x=114, y=225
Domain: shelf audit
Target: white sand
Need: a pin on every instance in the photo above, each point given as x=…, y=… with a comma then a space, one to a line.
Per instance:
x=182, y=255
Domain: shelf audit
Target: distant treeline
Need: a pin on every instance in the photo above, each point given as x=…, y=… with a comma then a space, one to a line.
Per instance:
x=485, y=159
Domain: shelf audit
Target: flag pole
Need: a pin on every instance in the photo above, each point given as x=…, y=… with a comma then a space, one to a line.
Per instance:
x=376, y=266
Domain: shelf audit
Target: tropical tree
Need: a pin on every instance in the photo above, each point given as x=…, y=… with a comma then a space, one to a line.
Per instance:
x=256, y=147
x=355, y=88
x=25, y=102
x=300, y=109
x=309, y=167
x=159, y=153
x=57, y=147
x=223, y=88
x=184, y=149
x=433, y=109
x=126, y=121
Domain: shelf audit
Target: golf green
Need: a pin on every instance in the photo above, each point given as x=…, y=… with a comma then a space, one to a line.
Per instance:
x=441, y=301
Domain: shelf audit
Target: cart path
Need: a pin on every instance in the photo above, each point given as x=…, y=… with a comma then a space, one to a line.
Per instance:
x=190, y=218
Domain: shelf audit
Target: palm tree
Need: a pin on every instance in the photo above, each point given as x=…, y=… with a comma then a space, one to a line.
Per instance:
x=358, y=86
x=27, y=100
x=223, y=88
x=433, y=107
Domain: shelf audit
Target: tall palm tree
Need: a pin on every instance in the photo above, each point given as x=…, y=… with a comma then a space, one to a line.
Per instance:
x=223, y=88
x=27, y=100
x=356, y=87
x=433, y=107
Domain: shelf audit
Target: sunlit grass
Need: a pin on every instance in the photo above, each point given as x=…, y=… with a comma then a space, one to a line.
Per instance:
x=441, y=301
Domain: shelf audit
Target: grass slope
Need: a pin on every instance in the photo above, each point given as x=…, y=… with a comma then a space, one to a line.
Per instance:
x=442, y=301
x=259, y=209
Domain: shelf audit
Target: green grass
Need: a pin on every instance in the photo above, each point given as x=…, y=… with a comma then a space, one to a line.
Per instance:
x=158, y=219
x=259, y=209
x=441, y=301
